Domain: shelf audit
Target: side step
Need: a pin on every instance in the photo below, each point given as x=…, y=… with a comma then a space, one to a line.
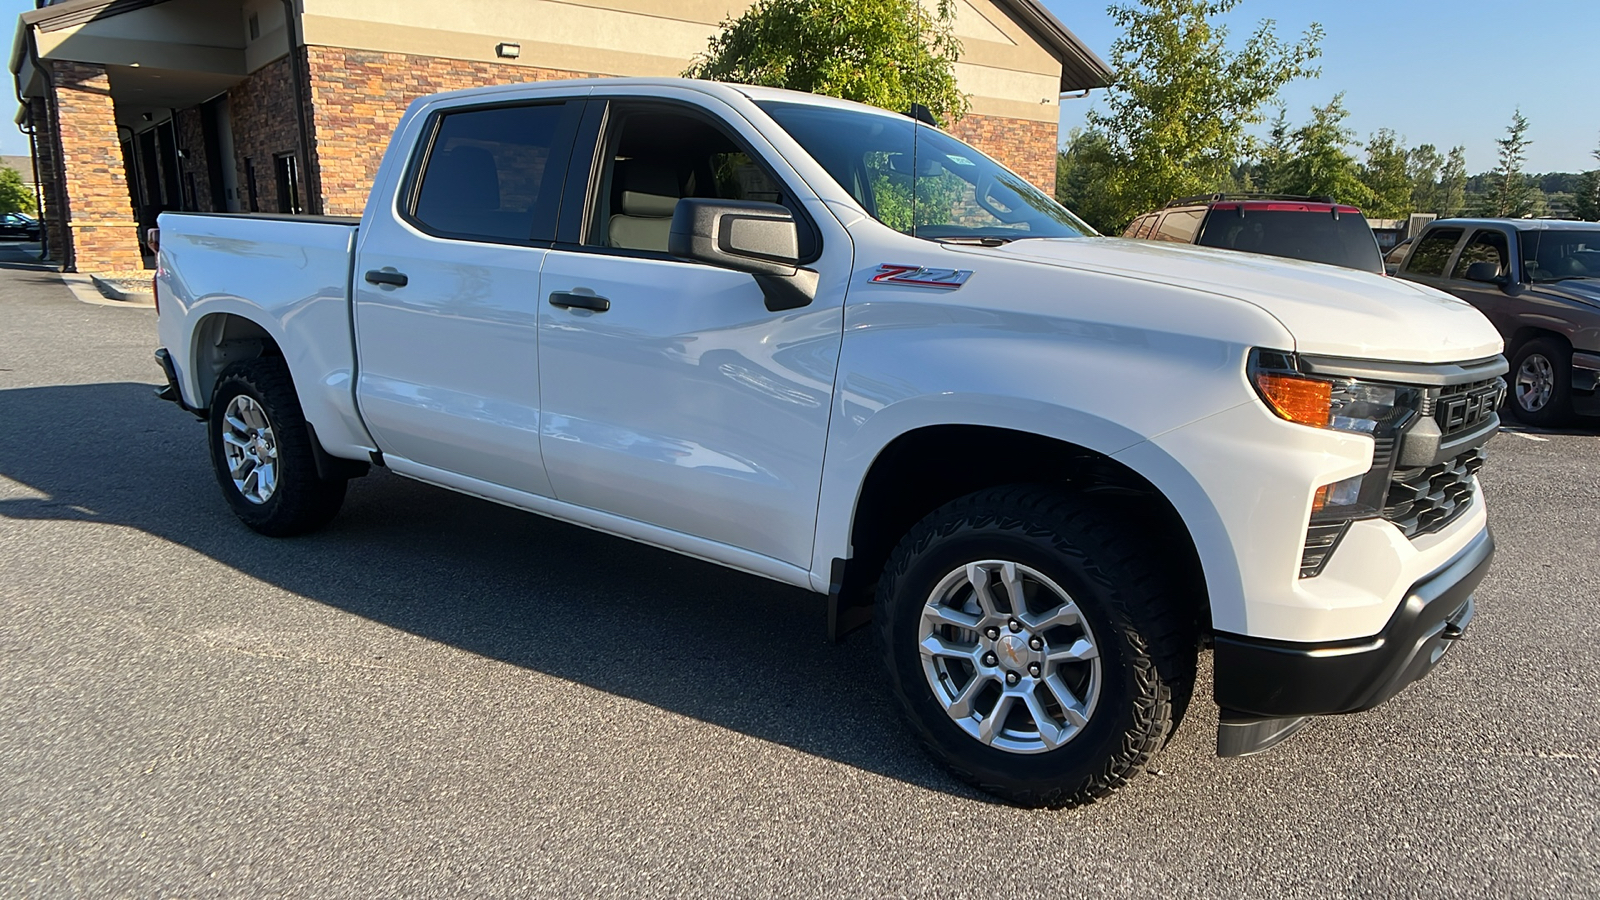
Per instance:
x=1240, y=734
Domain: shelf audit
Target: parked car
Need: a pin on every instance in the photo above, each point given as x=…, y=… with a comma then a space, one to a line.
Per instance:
x=1310, y=228
x=1538, y=281
x=17, y=225
x=701, y=316
x=1397, y=255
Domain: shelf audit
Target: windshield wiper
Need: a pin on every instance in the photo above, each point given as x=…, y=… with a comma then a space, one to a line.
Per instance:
x=981, y=241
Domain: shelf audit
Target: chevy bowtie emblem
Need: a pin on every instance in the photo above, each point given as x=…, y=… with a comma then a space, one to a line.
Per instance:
x=921, y=276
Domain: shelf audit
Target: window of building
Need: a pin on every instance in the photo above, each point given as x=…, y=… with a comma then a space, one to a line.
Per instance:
x=1432, y=252
x=250, y=184
x=487, y=176
x=287, y=169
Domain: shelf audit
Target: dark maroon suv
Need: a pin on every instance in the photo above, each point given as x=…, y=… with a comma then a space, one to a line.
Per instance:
x=1310, y=228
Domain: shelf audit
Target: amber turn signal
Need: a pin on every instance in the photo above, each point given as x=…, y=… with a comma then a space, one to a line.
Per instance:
x=1304, y=400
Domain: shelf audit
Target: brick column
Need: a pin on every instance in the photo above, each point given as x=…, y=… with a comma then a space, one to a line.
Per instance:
x=44, y=138
x=99, y=215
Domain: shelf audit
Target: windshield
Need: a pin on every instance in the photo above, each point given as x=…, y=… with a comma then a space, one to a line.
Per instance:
x=1298, y=234
x=1558, y=255
x=919, y=180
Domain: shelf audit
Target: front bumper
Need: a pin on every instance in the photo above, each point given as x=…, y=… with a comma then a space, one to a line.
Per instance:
x=1263, y=678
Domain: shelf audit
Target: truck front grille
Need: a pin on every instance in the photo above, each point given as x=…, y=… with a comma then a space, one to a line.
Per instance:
x=1424, y=500
x=1463, y=407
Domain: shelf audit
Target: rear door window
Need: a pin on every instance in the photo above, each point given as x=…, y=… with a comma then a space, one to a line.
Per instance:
x=1179, y=226
x=1486, y=246
x=1433, y=252
x=495, y=174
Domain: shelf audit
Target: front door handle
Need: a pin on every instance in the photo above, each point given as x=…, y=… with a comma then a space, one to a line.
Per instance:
x=388, y=276
x=569, y=300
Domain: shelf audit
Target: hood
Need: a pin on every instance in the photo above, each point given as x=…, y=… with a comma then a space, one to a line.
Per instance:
x=1578, y=290
x=1330, y=311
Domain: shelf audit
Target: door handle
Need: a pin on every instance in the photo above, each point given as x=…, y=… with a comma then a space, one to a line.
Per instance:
x=387, y=276
x=569, y=300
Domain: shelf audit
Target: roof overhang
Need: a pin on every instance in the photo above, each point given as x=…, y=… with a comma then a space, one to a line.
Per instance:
x=1081, y=69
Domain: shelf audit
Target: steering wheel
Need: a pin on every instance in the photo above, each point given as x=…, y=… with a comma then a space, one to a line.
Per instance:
x=986, y=183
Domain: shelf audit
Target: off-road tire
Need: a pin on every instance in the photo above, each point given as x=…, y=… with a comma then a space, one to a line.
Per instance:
x=302, y=501
x=1145, y=631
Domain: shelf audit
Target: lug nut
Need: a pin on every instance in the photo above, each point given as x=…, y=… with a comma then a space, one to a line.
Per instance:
x=1012, y=678
x=1033, y=669
x=1014, y=625
x=1036, y=643
x=989, y=659
x=992, y=633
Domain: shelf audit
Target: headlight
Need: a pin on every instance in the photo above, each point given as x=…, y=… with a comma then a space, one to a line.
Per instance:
x=1380, y=411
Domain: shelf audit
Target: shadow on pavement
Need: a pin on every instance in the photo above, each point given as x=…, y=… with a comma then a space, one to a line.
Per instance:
x=733, y=650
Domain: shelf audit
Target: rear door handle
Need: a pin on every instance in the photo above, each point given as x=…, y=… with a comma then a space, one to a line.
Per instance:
x=387, y=276
x=569, y=300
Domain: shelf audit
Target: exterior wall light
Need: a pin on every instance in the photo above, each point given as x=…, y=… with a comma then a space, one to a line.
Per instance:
x=508, y=51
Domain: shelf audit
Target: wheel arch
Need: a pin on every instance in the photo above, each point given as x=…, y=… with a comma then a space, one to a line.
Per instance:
x=221, y=339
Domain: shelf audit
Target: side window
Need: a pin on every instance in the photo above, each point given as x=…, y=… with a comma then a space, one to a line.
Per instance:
x=1132, y=231
x=495, y=174
x=657, y=157
x=1485, y=246
x=1432, y=252
x=1179, y=227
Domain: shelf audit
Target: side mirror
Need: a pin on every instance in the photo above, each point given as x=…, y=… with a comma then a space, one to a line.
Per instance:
x=759, y=238
x=1486, y=272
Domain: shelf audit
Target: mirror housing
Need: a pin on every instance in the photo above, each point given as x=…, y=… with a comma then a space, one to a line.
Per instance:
x=745, y=236
x=1486, y=272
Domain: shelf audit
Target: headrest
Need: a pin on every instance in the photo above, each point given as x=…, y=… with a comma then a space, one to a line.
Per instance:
x=648, y=188
x=464, y=178
x=1568, y=265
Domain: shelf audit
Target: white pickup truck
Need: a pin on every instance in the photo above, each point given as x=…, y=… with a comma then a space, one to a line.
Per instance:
x=835, y=347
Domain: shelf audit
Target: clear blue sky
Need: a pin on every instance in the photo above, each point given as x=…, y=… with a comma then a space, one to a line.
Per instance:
x=1444, y=72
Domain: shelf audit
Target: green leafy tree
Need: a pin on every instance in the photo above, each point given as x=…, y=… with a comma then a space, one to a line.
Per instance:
x=1586, y=194
x=1422, y=170
x=14, y=195
x=1082, y=167
x=1322, y=164
x=1181, y=101
x=888, y=53
x=1510, y=193
x=1452, y=198
x=1386, y=177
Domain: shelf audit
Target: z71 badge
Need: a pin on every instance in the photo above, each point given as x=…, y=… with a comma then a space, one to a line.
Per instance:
x=921, y=276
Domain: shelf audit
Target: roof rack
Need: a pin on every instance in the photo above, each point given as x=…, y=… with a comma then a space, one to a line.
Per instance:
x=1217, y=198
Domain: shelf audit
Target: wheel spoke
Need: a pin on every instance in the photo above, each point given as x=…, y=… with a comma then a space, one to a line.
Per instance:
x=989, y=728
x=229, y=437
x=944, y=615
x=978, y=577
x=1051, y=735
x=1071, y=706
x=237, y=423
x=1080, y=651
x=961, y=703
x=242, y=471
x=1065, y=614
x=266, y=480
x=934, y=646
x=1013, y=583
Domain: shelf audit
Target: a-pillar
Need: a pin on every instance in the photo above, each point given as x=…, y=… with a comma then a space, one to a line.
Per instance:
x=102, y=233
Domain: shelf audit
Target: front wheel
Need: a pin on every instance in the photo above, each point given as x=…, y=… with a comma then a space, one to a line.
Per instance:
x=1034, y=645
x=261, y=451
x=1541, y=382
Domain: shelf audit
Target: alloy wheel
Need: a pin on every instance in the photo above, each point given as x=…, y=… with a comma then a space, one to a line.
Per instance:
x=251, y=449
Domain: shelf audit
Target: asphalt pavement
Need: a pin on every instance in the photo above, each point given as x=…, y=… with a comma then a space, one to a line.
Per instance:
x=437, y=696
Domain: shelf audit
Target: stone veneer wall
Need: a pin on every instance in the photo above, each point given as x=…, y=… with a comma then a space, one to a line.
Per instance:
x=358, y=97
x=265, y=126
x=99, y=213
x=1026, y=147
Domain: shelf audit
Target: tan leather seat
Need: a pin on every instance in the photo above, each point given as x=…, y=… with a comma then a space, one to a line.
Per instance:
x=648, y=195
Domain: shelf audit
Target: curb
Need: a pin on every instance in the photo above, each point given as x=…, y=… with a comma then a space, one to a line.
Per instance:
x=115, y=293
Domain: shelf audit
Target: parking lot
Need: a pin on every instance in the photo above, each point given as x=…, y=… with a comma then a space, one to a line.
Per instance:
x=440, y=696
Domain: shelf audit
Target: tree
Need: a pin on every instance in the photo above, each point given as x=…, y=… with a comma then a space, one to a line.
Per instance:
x=1422, y=169
x=14, y=195
x=1082, y=167
x=888, y=53
x=1180, y=100
x=1453, y=183
x=1386, y=177
x=1586, y=194
x=1271, y=168
x=1510, y=194
x=1322, y=164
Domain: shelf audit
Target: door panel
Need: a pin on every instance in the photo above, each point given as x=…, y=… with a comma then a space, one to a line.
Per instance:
x=447, y=296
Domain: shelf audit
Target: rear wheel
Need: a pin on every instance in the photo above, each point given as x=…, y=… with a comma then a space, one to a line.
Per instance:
x=1541, y=382
x=1038, y=651
x=261, y=451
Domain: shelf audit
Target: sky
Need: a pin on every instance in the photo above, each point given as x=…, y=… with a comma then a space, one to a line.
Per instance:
x=1443, y=72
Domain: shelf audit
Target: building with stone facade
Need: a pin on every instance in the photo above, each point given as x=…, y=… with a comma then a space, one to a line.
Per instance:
x=140, y=106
